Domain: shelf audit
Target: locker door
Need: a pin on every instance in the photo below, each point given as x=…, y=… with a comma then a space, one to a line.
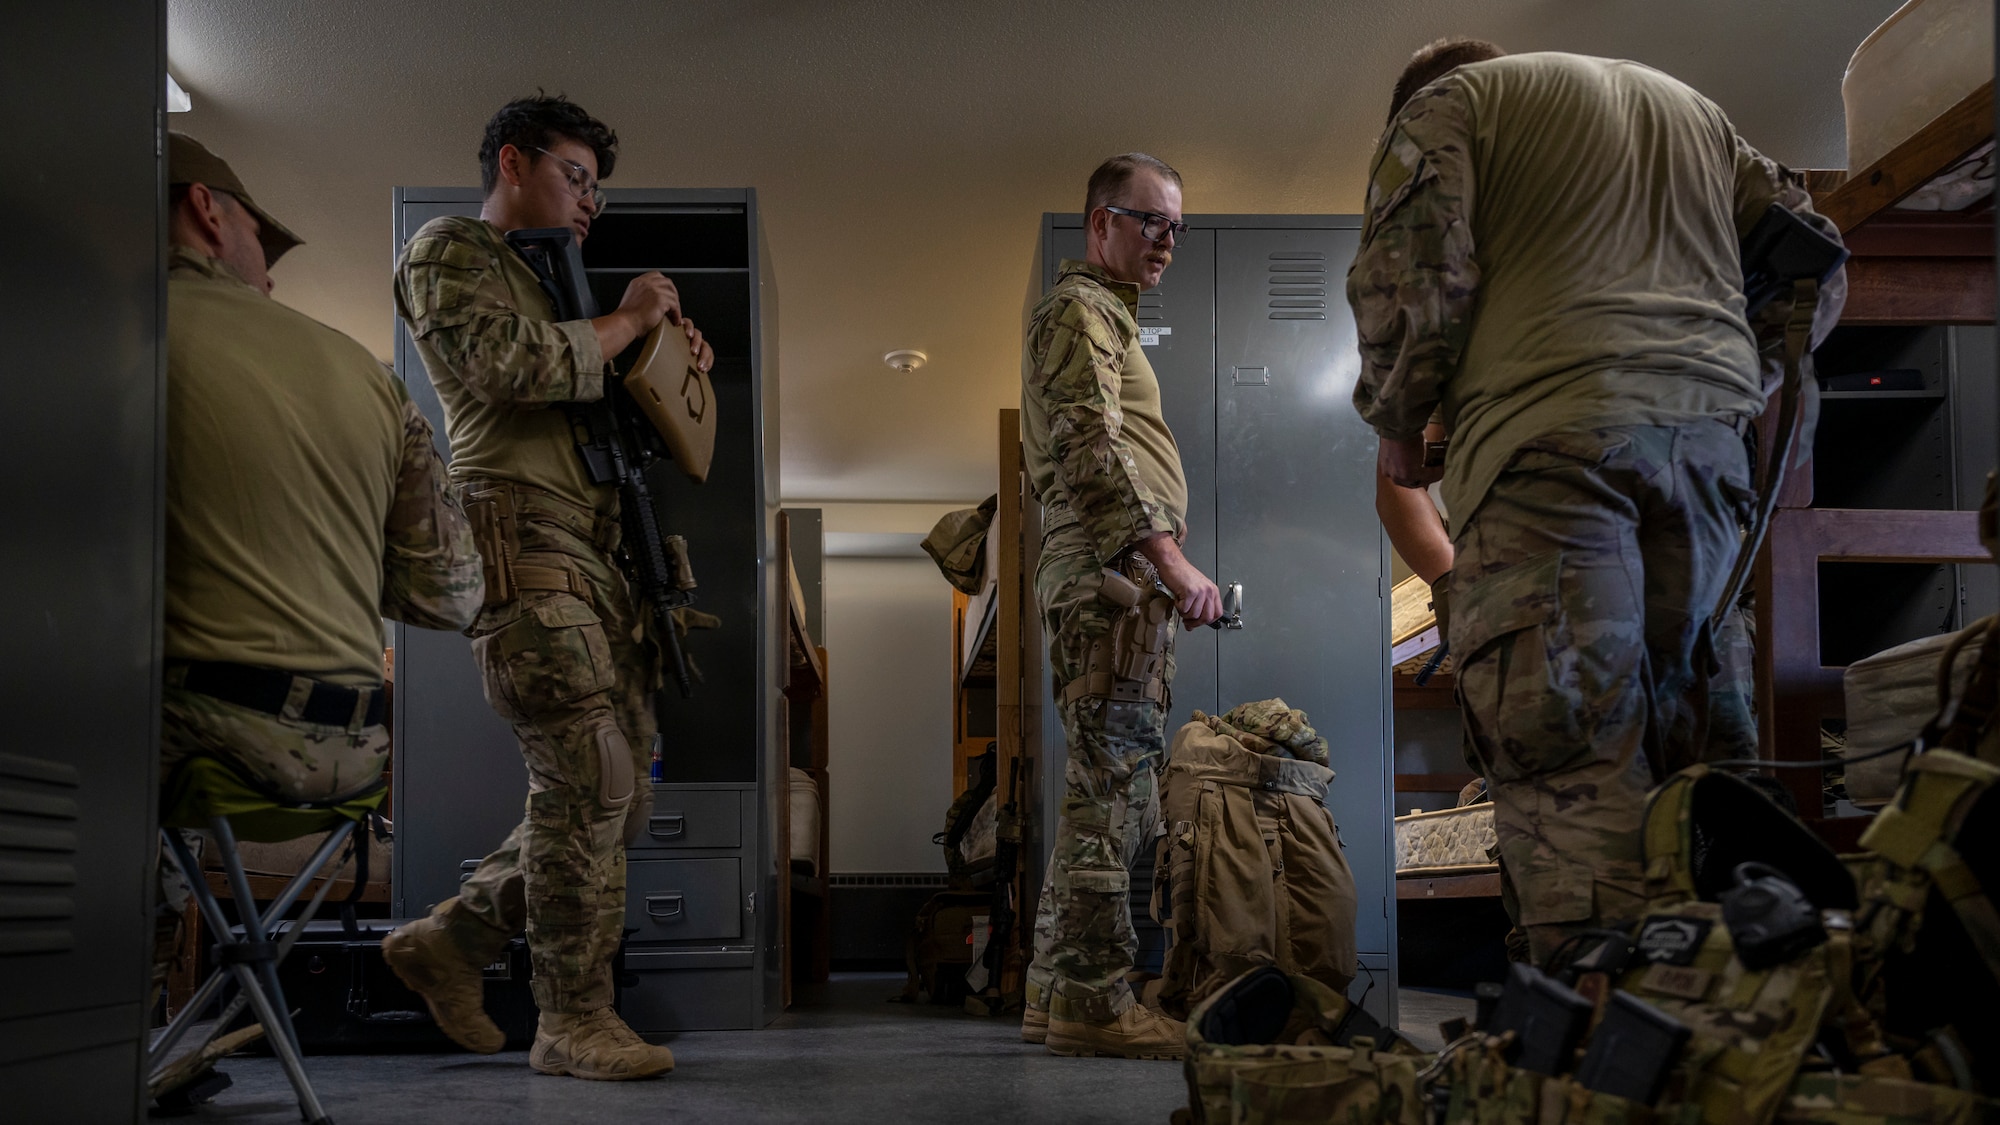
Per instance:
x=1297, y=523
x=1179, y=317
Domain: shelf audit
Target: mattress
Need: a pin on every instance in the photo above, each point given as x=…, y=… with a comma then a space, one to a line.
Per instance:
x=1890, y=696
x=1924, y=59
x=1456, y=838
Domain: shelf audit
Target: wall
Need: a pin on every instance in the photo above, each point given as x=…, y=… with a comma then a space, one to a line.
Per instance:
x=903, y=152
x=888, y=626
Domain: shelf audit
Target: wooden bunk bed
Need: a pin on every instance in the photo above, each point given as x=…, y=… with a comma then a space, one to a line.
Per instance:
x=805, y=915
x=1909, y=268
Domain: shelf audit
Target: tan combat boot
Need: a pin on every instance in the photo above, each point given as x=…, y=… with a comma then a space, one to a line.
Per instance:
x=1138, y=1033
x=596, y=1044
x=425, y=958
x=1034, y=1025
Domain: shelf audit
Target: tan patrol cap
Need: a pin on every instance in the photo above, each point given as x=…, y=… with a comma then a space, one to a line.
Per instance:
x=189, y=162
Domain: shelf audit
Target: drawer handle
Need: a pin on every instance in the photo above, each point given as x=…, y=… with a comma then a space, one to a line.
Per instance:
x=667, y=827
x=674, y=902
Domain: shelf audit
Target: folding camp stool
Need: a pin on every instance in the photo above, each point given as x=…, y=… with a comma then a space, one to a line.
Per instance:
x=208, y=793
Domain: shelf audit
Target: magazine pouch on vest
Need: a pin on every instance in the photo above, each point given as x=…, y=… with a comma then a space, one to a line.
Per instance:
x=1927, y=916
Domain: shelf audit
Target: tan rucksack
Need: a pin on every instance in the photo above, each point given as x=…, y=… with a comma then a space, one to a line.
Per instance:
x=1249, y=870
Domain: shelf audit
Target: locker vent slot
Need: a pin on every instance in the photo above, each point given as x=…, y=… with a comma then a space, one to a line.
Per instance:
x=1298, y=285
x=38, y=832
x=1152, y=305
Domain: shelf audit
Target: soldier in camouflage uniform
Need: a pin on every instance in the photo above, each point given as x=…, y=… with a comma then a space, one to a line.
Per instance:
x=304, y=503
x=564, y=651
x=1109, y=477
x=1582, y=329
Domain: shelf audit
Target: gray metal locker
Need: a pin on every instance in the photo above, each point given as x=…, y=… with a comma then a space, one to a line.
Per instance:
x=702, y=877
x=1255, y=350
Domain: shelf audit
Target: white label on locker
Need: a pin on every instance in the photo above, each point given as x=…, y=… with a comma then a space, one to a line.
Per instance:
x=1150, y=337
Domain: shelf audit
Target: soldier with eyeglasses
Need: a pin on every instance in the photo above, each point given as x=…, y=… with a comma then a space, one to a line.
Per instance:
x=1114, y=497
x=561, y=644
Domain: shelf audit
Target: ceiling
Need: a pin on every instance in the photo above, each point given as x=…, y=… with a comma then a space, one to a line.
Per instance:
x=904, y=152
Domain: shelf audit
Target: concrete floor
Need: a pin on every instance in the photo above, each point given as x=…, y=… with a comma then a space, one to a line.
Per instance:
x=841, y=1054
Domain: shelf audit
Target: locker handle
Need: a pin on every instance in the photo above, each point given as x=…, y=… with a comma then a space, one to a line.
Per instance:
x=673, y=899
x=1232, y=608
x=667, y=827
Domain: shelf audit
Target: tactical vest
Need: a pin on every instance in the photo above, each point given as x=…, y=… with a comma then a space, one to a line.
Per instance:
x=1761, y=1039
x=1249, y=870
x=1276, y=1048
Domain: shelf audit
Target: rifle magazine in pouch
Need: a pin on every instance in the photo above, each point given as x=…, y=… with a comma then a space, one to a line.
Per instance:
x=490, y=511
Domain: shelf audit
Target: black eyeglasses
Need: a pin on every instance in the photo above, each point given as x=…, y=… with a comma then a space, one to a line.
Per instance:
x=586, y=189
x=1152, y=227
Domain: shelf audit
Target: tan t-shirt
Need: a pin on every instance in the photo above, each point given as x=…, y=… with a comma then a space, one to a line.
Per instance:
x=500, y=361
x=1093, y=434
x=284, y=442
x=1552, y=245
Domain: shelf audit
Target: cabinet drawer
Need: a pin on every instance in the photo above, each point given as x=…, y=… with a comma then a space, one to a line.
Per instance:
x=684, y=899
x=697, y=818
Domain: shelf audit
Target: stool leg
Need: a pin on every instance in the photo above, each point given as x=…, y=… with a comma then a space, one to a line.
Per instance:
x=211, y=912
x=246, y=908
x=274, y=1016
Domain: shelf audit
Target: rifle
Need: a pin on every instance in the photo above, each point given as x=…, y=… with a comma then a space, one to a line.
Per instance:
x=617, y=443
x=1006, y=861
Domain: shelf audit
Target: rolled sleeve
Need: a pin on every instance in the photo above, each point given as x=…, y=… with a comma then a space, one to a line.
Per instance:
x=1414, y=281
x=1077, y=363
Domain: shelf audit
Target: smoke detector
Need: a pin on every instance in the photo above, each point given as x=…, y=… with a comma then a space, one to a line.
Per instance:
x=905, y=360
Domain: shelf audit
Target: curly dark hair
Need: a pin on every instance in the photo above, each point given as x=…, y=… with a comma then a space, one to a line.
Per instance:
x=1433, y=61
x=532, y=123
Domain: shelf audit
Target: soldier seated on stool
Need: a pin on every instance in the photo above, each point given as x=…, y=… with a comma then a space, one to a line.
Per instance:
x=304, y=503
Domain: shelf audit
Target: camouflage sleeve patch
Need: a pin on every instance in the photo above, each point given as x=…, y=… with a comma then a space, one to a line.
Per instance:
x=1077, y=362
x=430, y=567
x=455, y=298
x=1415, y=281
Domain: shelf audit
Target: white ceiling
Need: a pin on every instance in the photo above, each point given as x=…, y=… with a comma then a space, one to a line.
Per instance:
x=904, y=152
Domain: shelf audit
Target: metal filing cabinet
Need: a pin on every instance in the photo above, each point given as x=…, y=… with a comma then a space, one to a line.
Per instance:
x=1250, y=334
x=701, y=878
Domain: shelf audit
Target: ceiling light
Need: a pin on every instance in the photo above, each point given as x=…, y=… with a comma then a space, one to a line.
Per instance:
x=906, y=360
x=177, y=98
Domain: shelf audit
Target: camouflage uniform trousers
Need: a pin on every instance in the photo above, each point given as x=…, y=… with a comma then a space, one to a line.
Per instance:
x=1581, y=592
x=575, y=676
x=309, y=761
x=1084, y=940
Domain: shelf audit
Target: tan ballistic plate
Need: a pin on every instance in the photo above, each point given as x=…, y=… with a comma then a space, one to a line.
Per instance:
x=676, y=397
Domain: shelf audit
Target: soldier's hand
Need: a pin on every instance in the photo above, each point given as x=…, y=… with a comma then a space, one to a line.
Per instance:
x=649, y=299
x=1195, y=597
x=1403, y=463
x=704, y=356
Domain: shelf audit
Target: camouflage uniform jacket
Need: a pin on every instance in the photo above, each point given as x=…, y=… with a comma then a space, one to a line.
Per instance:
x=499, y=359
x=1551, y=244
x=305, y=497
x=1095, y=440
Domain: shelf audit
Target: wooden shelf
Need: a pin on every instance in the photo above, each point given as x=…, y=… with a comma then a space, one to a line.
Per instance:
x=1485, y=884
x=1436, y=695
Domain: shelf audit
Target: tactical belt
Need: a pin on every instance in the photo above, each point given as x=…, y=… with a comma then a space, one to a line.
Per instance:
x=530, y=503
x=1104, y=685
x=274, y=691
x=568, y=581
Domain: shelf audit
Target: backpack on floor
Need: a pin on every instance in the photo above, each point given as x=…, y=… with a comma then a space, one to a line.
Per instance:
x=1249, y=871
